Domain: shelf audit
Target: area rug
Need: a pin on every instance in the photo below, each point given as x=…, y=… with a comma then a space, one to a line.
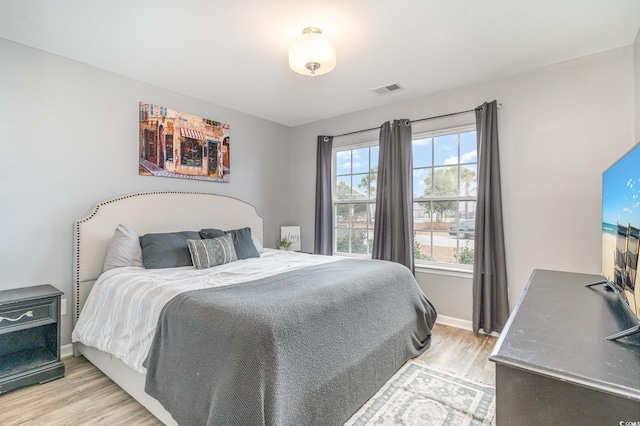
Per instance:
x=422, y=395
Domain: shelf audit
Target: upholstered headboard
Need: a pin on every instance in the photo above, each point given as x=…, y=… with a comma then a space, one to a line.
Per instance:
x=150, y=212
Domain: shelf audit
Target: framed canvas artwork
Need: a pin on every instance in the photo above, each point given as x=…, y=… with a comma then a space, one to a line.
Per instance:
x=180, y=145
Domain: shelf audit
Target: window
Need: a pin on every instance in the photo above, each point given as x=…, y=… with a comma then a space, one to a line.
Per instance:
x=444, y=192
x=445, y=168
x=354, y=199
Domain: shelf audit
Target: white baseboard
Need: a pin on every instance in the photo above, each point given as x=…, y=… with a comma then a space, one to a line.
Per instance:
x=454, y=322
x=460, y=323
x=66, y=350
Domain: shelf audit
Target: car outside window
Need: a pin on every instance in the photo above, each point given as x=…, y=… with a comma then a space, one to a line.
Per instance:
x=444, y=194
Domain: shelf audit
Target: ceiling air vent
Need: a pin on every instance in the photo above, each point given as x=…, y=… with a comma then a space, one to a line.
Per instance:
x=388, y=88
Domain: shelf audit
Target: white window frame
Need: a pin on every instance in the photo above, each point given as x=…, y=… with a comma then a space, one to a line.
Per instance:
x=335, y=201
x=420, y=264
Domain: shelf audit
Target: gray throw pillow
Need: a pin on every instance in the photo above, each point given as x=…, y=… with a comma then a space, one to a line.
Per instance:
x=242, y=240
x=243, y=243
x=211, y=233
x=167, y=250
x=210, y=252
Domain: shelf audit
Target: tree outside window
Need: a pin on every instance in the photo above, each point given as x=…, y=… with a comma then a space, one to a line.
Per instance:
x=445, y=190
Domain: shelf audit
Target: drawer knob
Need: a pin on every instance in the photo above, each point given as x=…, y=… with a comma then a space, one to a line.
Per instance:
x=26, y=314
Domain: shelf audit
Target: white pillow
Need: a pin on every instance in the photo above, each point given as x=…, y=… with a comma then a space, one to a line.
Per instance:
x=124, y=250
x=256, y=243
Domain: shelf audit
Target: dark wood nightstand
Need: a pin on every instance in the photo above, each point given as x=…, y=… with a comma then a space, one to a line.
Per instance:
x=29, y=336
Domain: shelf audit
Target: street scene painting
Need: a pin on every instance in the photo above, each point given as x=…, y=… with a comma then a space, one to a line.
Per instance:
x=180, y=145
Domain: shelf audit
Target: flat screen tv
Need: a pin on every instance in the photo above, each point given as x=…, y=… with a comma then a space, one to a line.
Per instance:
x=621, y=234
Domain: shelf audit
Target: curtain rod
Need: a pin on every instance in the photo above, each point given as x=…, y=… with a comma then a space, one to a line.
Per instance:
x=414, y=121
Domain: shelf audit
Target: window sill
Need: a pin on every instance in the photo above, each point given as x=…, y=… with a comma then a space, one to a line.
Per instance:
x=422, y=268
x=452, y=271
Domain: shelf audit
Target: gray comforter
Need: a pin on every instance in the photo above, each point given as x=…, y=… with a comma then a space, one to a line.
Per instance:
x=307, y=347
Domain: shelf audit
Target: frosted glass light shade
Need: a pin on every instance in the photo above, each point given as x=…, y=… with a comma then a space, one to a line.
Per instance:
x=311, y=53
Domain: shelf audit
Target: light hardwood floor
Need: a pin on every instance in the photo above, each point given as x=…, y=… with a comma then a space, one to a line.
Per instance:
x=85, y=396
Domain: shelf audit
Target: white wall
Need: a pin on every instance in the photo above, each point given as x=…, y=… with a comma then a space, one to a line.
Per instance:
x=636, y=49
x=69, y=139
x=559, y=128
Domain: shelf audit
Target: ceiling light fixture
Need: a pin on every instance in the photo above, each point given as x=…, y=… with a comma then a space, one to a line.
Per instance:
x=311, y=53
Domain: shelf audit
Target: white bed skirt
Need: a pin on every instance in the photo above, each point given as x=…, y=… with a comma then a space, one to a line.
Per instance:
x=128, y=379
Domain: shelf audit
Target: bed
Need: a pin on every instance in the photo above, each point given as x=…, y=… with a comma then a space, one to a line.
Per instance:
x=275, y=339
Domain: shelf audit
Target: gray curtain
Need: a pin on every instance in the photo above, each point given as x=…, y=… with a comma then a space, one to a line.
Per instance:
x=323, y=243
x=490, y=295
x=393, y=228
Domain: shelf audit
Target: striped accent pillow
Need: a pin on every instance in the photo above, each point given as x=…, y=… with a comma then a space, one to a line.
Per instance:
x=212, y=252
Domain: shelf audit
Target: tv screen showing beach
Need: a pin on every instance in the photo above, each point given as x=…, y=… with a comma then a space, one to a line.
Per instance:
x=621, y=226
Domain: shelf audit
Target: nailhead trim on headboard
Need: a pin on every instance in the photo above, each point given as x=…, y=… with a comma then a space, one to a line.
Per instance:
x=76, y=269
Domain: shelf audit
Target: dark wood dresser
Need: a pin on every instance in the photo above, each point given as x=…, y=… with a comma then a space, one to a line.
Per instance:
x=554, y=365
x=29, y=336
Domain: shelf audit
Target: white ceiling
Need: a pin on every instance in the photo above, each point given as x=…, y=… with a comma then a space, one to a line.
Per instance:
x=234, y=53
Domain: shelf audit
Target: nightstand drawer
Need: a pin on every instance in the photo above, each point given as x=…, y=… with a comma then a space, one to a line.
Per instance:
x=25, y=315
